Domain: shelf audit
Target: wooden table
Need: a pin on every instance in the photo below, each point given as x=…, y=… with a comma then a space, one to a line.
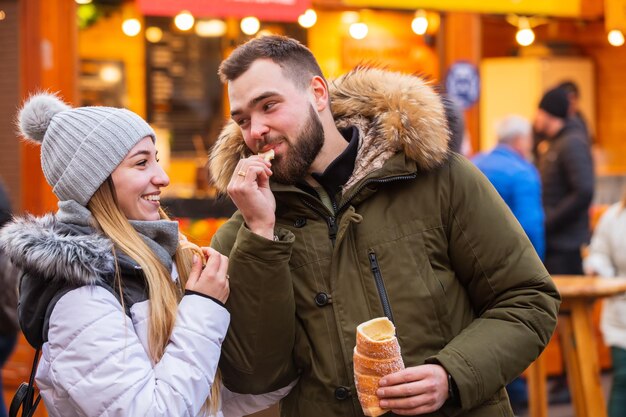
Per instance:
x=579, y=346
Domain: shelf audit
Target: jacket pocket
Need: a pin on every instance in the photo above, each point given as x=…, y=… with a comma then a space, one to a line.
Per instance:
x=380, y=285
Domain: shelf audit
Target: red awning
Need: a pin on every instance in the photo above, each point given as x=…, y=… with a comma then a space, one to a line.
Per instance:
x=271, y=10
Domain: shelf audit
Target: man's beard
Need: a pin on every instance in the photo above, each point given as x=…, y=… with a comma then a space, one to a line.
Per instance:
x=294, y=164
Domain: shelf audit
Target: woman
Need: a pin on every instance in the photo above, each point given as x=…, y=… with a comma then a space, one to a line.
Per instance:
x=607, y=258
x=131, y=322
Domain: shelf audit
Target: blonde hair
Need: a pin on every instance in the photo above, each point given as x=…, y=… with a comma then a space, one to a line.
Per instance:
x=163, y=294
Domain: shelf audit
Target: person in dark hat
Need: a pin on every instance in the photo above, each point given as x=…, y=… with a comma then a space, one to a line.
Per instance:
x=566, y=169
x=567, y=179
x=575, y=116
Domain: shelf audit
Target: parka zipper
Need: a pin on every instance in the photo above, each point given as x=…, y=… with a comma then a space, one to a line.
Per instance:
x=331, y=220
x=380, y=285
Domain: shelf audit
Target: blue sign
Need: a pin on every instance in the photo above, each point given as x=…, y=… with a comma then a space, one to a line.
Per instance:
x=463, y=83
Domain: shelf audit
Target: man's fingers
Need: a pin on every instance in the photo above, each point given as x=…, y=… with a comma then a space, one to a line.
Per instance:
x=402, y=390
x=401, y=377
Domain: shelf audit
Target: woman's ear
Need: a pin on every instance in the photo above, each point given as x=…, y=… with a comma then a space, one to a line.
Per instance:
x=320, y=93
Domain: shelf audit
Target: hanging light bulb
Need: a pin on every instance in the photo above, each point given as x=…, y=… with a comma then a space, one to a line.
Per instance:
x=358, y=30
x=110, y=74
x=250, y=25
x=525, y=35
x=616, y=37
x=420, y=22
x=131, y=27
x=349, y=17
x=308, y=18
x=83, y=1
x=154, y=34
x=213, y=28
x=184, y=20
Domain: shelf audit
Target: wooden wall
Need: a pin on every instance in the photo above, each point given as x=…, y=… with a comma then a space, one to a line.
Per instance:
x=10, y=93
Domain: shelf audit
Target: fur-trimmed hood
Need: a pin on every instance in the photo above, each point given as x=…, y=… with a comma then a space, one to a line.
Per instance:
x=62, y=253
x=394, y=113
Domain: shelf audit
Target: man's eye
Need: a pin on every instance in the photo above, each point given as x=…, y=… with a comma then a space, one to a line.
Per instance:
x=241, y=122
x=268, y=106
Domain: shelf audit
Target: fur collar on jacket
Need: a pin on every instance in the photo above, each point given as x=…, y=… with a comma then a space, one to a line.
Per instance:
x=60, y=252
x=394, y=113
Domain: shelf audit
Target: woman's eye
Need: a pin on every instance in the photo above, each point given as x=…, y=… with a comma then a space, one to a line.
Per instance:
x=142, y=163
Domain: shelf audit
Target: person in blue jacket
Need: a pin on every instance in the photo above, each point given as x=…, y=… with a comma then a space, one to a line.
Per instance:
x=515, y=178
x=517, y=181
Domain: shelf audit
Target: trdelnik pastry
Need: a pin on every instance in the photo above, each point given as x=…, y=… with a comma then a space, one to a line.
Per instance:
x=377, y=353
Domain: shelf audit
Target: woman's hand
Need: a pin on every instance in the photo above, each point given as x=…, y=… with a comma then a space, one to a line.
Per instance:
x=213, y=279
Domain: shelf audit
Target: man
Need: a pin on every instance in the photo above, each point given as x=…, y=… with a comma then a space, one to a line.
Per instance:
x=575, y=117
x=567, y=177
x=567, y=180
x=517, y=181
x=363, y=213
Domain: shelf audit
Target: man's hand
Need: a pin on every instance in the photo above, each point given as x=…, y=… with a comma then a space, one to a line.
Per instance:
x=249, y=188
x=417, y=390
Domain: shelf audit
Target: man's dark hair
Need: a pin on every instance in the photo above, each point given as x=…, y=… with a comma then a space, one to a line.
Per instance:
x=570, y=87
x=295, y=59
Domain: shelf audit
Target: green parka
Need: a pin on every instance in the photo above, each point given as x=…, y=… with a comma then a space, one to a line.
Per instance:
x=419, y=235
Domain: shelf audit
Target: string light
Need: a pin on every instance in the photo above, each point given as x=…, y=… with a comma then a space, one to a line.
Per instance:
x=213, y=28
x=154, y=34
x=308, y=18
x=525, y=35
x=349, y=17
x=131, y=27
x=250, y=25
x=184, y=20
x=358, y=30
x=419, y=23
x=616, y=37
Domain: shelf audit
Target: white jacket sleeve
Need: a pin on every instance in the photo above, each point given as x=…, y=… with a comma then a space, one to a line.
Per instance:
x=238, y=405
x=599, y=259
x=96, y=360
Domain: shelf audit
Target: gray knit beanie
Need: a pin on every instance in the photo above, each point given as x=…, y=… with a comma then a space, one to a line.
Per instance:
x=80, y=147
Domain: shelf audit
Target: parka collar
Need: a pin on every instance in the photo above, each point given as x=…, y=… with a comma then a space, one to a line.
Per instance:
x=394, y=113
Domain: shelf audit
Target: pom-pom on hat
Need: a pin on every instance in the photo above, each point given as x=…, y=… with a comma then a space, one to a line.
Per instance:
x=555, y=102
x=80, y=147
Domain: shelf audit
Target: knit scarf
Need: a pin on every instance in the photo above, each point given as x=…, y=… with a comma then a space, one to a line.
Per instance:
x=160, y=235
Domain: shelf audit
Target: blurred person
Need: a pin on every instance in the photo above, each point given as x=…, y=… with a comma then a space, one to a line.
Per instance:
x=575, y=116
x=365, y=212
x=567, y=176
x=567, y=181
x=517, y=181
x=607, y=258
x=129, y=320
x=8, y=298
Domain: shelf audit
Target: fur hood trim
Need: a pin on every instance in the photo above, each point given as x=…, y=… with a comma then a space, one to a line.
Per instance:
x=43, y=246
x=403, y=110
